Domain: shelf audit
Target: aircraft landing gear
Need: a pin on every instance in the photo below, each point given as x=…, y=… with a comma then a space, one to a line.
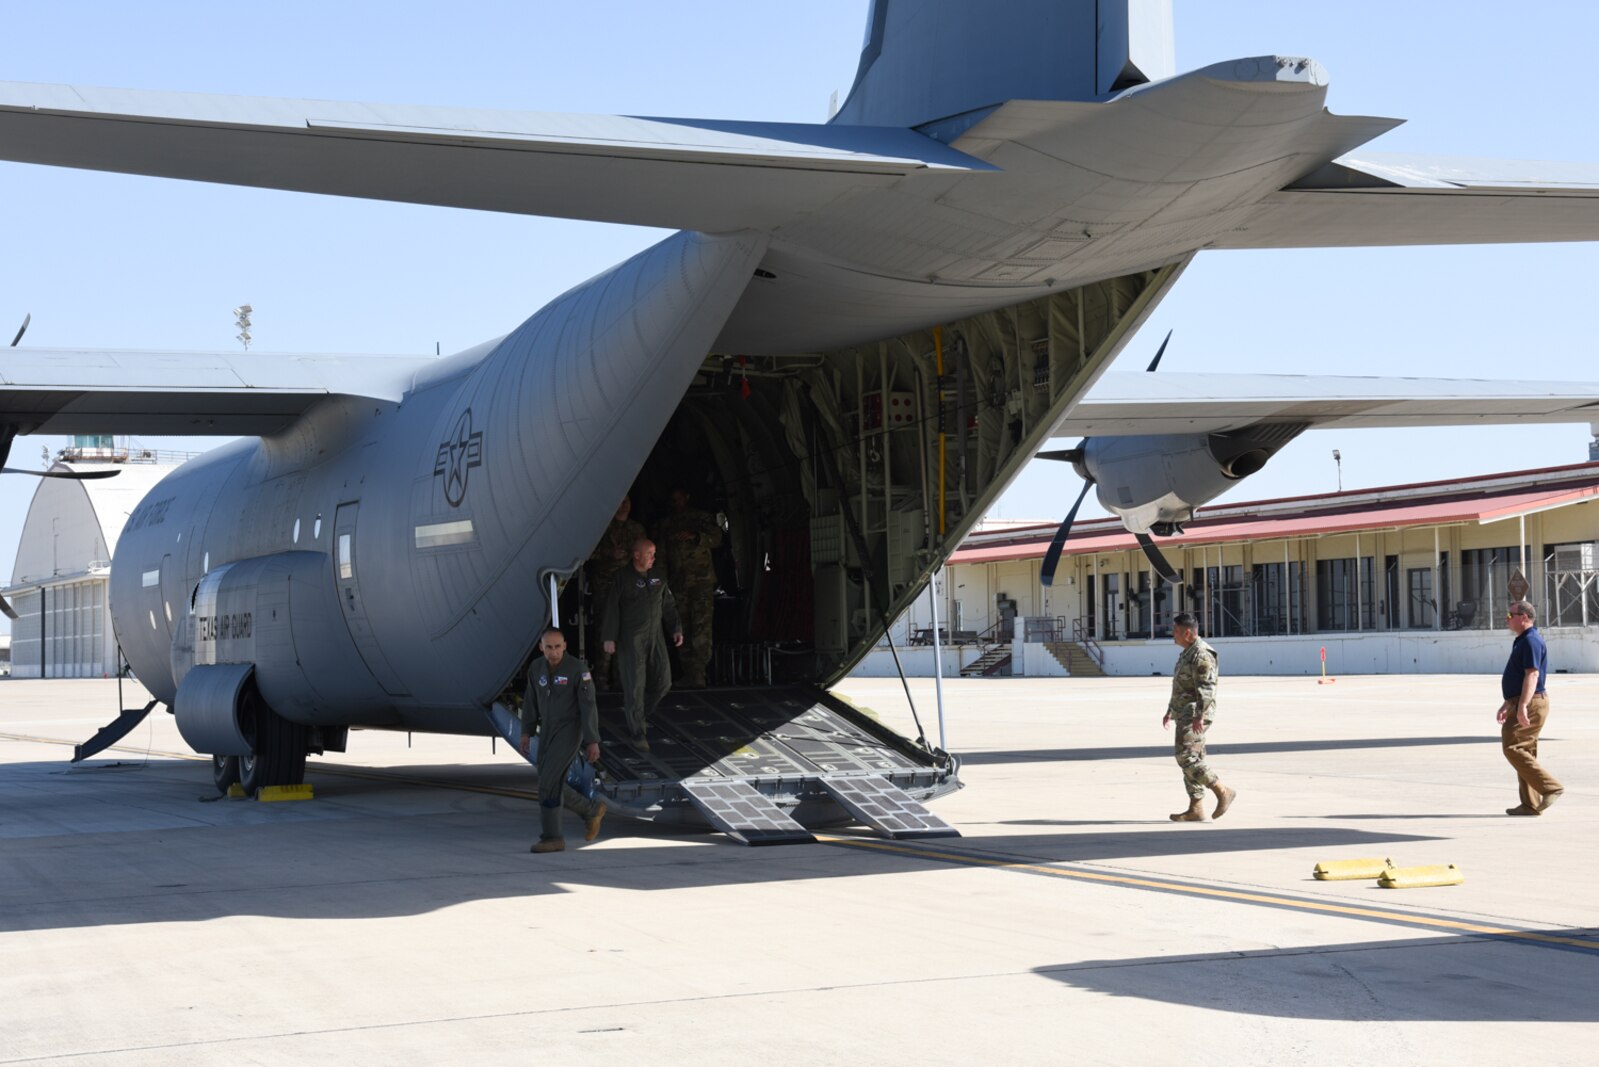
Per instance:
x=225, y=772
x=279, y=747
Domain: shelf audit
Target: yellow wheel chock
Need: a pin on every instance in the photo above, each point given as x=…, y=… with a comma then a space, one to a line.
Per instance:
x=1417, y=877
x=1350, y=870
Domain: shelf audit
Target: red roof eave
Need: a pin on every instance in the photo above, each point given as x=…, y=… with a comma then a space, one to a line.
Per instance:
x=1437, y=514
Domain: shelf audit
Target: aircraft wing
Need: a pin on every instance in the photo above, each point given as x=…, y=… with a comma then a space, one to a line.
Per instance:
x=1375, y=198
x=1132, y=403
x=63, y=391
x=689, y=174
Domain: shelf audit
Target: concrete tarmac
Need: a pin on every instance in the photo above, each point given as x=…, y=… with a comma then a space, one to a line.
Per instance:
x=399, y=919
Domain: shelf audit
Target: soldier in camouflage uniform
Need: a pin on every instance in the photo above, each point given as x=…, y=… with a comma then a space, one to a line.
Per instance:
x=609, y=557
x=687, y=537
x=1193, y=706
x=639, y=602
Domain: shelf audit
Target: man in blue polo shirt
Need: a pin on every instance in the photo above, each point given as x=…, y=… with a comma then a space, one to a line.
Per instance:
x=1525, y=710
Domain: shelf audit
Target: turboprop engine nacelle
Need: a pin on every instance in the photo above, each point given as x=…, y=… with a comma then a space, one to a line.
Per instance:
x=1154, y=483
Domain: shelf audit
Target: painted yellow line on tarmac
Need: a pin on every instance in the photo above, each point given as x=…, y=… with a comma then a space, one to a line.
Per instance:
x=975, y=860
x=1243, y=896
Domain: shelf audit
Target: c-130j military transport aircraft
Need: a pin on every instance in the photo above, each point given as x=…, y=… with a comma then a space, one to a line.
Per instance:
x=1006, y=192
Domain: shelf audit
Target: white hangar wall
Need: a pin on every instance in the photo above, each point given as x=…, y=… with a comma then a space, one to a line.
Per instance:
x=61, y=575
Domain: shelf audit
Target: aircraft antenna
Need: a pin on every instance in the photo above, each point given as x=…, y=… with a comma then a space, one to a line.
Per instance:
x=241, y=319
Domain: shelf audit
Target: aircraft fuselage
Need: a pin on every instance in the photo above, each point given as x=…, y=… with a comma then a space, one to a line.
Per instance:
x=389, y=563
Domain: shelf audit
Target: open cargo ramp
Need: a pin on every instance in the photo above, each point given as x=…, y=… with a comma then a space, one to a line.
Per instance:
x=765, y=765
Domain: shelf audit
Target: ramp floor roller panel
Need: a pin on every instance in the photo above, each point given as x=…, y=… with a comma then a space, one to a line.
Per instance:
x=886, y=808
x=780, y=741
x=737, y=810
x=749, y=733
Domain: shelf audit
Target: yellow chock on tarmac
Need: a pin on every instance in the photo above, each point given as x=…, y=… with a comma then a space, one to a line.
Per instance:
x=1417, y=877
x=284, y=792
x=1351, y=870
x=236, y=791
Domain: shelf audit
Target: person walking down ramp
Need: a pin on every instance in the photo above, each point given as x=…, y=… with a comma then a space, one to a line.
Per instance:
x=559, y=704
x=1193, y=707
x=630, y=627
x=610, y=558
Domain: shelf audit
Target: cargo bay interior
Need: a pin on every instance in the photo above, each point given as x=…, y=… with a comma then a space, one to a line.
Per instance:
x=843, y=477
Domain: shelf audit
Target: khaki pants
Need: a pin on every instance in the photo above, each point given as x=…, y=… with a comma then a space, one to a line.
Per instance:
x=1520, y=744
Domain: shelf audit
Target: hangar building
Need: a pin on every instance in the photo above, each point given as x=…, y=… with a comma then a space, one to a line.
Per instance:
x=1399, y=579
x=60, y=579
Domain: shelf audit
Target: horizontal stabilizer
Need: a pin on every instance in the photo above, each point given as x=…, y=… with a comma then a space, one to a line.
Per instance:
x=64, y=391
x=691, y=174
x=1371, y=199
x=1129, y=403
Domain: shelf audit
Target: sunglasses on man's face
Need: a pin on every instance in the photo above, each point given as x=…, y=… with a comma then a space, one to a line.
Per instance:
x=1516, y=615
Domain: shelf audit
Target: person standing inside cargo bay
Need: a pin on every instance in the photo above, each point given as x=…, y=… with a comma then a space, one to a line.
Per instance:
x=688, y=536
x=630, y=629
x=1525, y=710
x=1193, y=707
x=609, y=558
x=559, y=704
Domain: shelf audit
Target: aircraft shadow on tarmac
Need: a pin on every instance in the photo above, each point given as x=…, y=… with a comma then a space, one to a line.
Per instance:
x=1456, y=978
x=1218, y=748
x=138, y=845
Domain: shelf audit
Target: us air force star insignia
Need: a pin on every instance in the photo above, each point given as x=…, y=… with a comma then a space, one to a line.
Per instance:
x=457, y=455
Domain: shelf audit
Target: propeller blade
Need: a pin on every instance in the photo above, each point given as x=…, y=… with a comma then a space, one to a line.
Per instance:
x=77, y=476
x=1157, y=560
x=25, y=320
x=1065, y=455
x=1052, y=558
x=6, y=608
x=1161, y=352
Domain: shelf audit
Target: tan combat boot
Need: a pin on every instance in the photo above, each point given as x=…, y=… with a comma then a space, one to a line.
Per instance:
x=550, y=839
x=1224, y=799
x=591, y=825
x=1195, y=812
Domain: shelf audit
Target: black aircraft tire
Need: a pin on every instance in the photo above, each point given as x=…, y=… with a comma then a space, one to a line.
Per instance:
x=225, y=772
x=280, y=747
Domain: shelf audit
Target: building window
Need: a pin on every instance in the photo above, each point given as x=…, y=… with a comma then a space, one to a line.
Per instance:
x=1226, y=594
x=1274, y=609
x=1421, y=608
x=1341, y=603
x=1112, y=592
x=1485, y=585
x=1571, y=585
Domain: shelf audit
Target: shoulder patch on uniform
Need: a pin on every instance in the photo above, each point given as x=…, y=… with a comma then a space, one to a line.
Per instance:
x=587, y=677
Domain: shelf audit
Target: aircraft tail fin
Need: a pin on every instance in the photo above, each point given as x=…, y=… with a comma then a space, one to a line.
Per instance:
x=932, y=66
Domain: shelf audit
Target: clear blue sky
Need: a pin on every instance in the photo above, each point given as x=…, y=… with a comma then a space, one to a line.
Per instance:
x=126, y=262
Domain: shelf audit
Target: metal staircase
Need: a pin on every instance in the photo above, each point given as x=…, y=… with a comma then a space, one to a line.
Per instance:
x=1078, y=661
x=994, y=660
